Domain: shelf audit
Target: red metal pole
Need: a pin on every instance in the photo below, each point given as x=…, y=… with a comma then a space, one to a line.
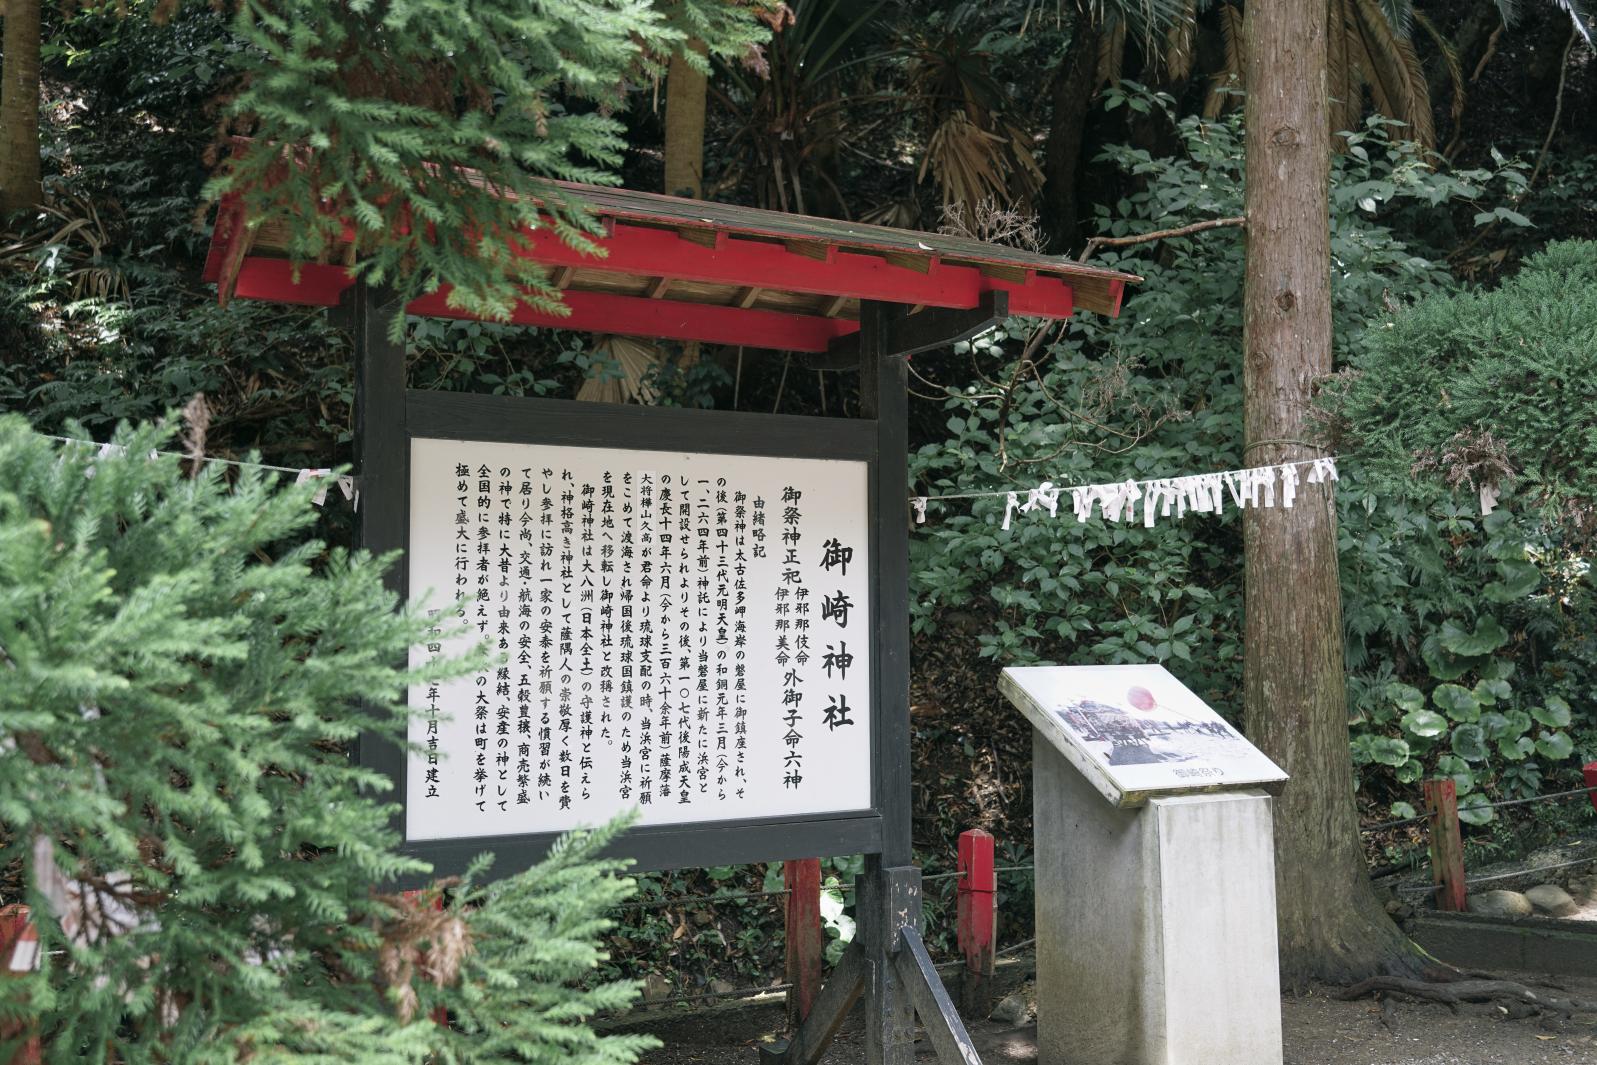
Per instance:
x=19, y=955
x=1447, y=844
x=805, y=942
x=1589, y=771
x=978, y=921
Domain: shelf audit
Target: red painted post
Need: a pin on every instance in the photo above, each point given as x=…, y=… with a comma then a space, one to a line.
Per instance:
x=805, y=943
x=978, y=920
x=19, y=954
x=1589, y=771
x=1447, y=844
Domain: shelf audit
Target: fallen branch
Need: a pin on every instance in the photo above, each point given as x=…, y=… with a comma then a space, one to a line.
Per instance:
x=1094, y=243
x=1452, y=994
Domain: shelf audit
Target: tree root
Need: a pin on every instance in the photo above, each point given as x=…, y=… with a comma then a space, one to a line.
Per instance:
x=1453, y=993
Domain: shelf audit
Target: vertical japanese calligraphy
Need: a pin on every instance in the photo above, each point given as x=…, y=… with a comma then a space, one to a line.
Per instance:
x=685, y=633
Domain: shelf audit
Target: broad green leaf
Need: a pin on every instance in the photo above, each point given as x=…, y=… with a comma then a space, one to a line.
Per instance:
x=1519, y=579
x=1473, y=810
x=1516, y=749
x=1458, y=701
x=1469, y=743
x=1487, y=637
x=1409, y=772
x=1389, y=750
x=1489, y=692
x=1404, y=809
x=1424, y=723
x=1555, y=746
x=1494, y=724
x=1554, y=715
x=1406, y=697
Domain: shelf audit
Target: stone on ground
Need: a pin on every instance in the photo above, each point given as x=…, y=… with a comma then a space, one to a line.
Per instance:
x=1017, y=1008
x=1551, y=900
x=1500, y=904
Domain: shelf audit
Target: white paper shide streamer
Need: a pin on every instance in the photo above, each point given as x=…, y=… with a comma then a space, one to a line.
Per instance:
x=1150, y=501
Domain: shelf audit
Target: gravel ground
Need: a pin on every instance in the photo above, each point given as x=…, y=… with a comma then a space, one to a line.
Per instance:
x=1319, y=1030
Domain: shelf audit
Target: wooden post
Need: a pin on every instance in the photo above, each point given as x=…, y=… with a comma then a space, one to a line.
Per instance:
x=1589, y=772
x=805, y=941
x=19, y=955
x=977, y=929
x=1447, y=845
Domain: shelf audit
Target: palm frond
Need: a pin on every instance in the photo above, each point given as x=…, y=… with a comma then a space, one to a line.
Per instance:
x=1392, y=70
x=1455, y=69
x=1111, y=54
x=1232, y=74
x=1583, y=15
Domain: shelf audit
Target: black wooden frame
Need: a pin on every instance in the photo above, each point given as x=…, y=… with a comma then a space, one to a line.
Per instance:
x=389, y=417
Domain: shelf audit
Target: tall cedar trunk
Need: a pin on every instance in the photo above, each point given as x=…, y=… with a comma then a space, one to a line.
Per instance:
x=19, y=108
x=1331, y=925
x=1062, y=153
x=685, y=89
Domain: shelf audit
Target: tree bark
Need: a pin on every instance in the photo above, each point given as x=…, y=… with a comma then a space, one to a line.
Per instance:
x=1331, y=926
x=685, y=90
x=20, y=186
x=1062, y=152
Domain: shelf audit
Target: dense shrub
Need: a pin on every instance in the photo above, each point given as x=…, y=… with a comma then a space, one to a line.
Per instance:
x=1470, y=635
x=182, y=669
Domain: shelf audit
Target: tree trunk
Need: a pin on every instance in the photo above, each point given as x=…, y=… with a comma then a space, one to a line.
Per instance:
x=1331, y=926
x=19, y=108
x=1062, y=153
x=685, y=89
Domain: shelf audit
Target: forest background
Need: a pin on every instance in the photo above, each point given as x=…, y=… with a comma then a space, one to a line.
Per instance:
x=1468, y=146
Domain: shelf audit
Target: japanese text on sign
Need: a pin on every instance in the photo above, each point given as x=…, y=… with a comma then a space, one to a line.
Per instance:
x=685, y=633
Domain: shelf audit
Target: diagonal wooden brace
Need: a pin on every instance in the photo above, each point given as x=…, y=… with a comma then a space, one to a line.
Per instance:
x=937, y=1013
x=811, y=1039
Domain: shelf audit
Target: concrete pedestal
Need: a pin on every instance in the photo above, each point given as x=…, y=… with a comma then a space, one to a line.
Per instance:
x=1155, y=926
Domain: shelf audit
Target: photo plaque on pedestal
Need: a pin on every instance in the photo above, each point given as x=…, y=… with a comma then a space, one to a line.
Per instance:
x=1156, y=938
x=1136, y=731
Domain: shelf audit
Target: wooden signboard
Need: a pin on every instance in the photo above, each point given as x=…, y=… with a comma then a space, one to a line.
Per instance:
x=1135, y=731
x=688, y=633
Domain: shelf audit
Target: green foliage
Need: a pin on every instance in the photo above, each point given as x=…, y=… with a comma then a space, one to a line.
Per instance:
x=184, y=668
x=1486, y=621
x=1155, y=392
x=1428, y=399
x=431, y=127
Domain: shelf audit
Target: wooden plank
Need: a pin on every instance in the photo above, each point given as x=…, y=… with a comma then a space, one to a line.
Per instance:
x=921, y=264
x=833, y=307
x=1447, y=843
x=811, y=249
x=810, y=1040
x=805, y=943
x=703, y=236
x=1017, y=275
x=658, y=287
x=604, y=312
x=889, y=903
x=977, y=920
x=746, y=296
x=943, y=1025
x=561, y=279
x=382, y=462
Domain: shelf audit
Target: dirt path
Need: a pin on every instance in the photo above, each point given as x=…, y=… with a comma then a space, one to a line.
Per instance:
x=1319, y=1030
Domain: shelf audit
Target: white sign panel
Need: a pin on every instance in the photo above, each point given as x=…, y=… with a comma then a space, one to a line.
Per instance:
x=688, y=634
x=1135, y=730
